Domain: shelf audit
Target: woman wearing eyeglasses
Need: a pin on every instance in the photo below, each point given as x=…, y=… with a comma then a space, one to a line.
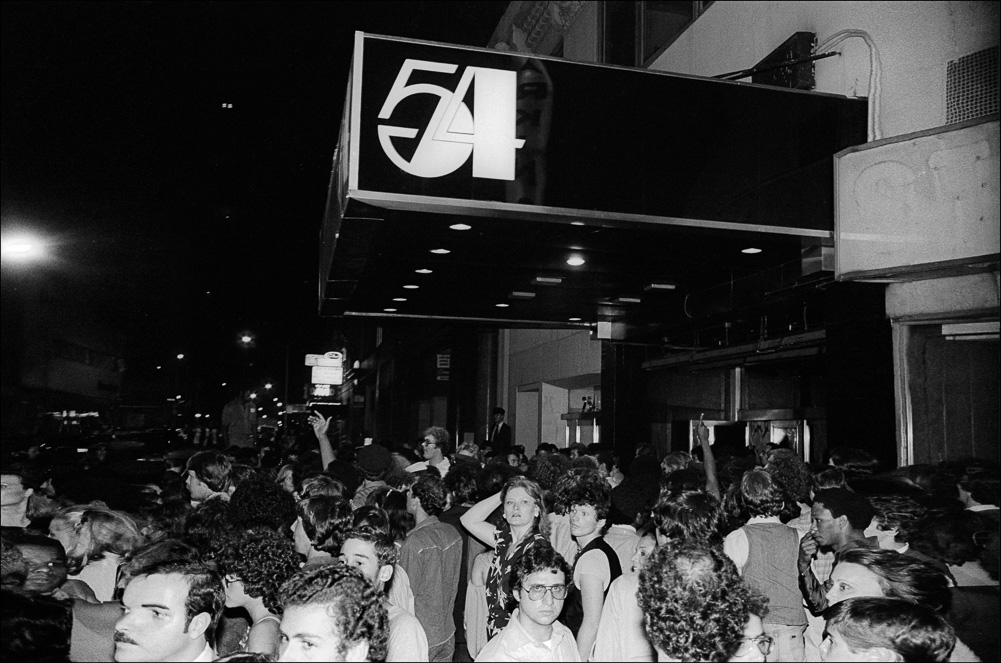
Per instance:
x=526, y=524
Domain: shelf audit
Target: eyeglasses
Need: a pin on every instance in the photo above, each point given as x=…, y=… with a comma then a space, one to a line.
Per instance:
x=764, y=643
x=428, y=443
x=536, y=592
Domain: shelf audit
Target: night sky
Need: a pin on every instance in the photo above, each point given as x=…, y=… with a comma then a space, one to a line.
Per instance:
x=184, y=222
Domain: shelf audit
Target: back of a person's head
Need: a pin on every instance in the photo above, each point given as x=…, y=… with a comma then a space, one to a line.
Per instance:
x=259, y=502
x=843, y=502
x=684, y=479
x=431, y=493
x=212, y=468
x=34, y=628
x=760, y=494
x=692, y=517
x=492, y=478
x=912, y=632
x=206, y=522
x=793, y=476
x=695, y=602
x=544, y=469
x=324, y=520
x=900, y=512
x=347, y=474
x=461, y=482
x=261, y=559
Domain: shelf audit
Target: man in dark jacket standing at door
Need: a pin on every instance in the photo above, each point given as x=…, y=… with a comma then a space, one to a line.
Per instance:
x=500, y=433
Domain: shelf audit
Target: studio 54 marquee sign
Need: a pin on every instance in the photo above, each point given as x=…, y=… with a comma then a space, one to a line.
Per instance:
x=445, y=129
x=452, y=134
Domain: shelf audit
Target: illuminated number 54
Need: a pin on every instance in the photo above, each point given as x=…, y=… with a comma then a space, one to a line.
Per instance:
x=453, y=134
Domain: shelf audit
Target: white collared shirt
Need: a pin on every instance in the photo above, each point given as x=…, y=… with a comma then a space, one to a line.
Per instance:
x=515, y=644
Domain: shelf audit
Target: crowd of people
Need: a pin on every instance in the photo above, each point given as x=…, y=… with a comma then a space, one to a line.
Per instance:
x=422, y=552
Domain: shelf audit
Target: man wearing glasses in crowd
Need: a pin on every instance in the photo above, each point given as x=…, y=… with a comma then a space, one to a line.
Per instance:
x=539, y=584
x=434, y=449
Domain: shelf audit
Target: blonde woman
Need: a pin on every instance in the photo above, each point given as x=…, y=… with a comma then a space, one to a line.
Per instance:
x=526, y=522
x=96, y=539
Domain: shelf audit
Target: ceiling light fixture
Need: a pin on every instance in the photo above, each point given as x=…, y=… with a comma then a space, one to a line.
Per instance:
x=576, y=223
x=410, y=286
x=521, y=295
x=440, y=252
x=423, y=271
x=574, y=319
x=389, y=310
x=501, y=305
x=399, y=299
x=460, y=226
x=660, y=286
x=575, y=261
x=547, y=280
x=629, y=300
x=751, y=249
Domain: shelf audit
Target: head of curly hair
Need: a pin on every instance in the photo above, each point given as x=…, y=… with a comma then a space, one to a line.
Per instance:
x=693, y=516
x=793, y=476
x=431, y=492
x=262, y=560
x=574, y=484
x=695, y=602
x=596, y=494
x=356, y=610
x=261, y=502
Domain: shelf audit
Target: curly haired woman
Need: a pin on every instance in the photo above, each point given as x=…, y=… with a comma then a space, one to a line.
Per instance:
x=256, y=563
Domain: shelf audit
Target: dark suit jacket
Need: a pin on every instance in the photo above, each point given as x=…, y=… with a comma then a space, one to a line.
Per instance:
x=500, y=440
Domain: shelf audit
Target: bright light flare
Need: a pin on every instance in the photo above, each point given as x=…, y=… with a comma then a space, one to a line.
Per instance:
x=23, y=248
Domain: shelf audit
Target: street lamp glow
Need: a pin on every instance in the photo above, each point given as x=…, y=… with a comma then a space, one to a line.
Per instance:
x=246, y=338
x=21, y=249
x=180, y=356
x=268, y=385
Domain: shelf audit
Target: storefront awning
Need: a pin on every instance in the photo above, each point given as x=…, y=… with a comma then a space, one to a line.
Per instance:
x=656, y=181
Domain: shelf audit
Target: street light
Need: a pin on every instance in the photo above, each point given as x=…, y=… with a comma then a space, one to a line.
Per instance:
x=22, y=248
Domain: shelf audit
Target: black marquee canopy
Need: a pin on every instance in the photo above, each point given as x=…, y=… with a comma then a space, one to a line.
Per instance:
x=465, y=179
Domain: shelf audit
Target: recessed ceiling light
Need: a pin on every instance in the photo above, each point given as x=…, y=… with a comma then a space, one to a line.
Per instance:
x=663, y=285
x=575, y=261
x=629, y=300
x=547, y=280
x=411, y=286
x=574, y=319
x=460, y=226
x=521, y=295
x=389, y=310
x=576, y=223
x=399, y=299
x=501, y=305
x=423, y=271
x=751, y=249
x=440, y=252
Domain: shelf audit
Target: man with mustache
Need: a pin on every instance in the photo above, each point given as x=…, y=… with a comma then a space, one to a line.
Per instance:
x=171, y=611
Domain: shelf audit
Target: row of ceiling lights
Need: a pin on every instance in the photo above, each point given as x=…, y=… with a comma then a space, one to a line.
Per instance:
x=574, y=260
